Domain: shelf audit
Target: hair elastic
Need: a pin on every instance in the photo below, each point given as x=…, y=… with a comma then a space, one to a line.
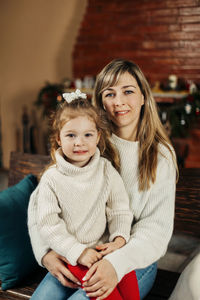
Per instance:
x=69, y=97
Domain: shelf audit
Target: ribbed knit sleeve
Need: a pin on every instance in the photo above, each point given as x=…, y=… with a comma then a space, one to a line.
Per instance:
x=154, y=211
x=52, y=227
x=119, y=215
x=40, y=248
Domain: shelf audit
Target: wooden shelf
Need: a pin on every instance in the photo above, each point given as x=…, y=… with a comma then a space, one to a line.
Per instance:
x=169, y=97
x=160, y=96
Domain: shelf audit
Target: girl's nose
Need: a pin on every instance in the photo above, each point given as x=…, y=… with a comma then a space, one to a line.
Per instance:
x=78, y=141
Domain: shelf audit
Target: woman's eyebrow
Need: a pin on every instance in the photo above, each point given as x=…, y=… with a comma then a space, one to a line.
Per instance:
x=123, y=87
x=127, y=86
x=107, y=89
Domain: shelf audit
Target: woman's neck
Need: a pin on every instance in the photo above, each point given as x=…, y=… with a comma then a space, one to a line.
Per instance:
x=129, y=135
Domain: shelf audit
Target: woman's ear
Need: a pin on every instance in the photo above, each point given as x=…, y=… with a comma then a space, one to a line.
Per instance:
x=142, y=100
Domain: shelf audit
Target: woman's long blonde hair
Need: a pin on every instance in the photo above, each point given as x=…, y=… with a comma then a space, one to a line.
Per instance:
x=150, y=131
x=81, y=107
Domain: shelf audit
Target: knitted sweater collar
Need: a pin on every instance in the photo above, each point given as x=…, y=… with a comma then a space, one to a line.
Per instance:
x=71, y=170
x=121, y=143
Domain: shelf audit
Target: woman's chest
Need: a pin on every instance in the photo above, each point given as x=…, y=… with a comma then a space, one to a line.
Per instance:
x=138, y=199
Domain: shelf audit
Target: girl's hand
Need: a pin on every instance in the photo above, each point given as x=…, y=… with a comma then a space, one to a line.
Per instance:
x=112, y=246
x=56, y=265
x=100, y=280
x=88, y=257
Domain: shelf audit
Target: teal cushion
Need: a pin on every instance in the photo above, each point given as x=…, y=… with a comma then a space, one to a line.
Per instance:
x=16, y=256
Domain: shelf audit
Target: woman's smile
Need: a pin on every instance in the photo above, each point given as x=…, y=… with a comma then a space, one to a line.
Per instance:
x=121, y=112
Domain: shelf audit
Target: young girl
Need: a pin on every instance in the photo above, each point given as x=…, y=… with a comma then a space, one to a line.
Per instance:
x=81, y=192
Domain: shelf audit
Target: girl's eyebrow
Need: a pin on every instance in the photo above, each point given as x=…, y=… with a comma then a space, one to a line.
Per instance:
x=68, y=131
x=90, y=130
x=75, y=131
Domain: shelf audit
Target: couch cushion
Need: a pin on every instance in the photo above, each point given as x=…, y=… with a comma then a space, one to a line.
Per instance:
x=16, y=256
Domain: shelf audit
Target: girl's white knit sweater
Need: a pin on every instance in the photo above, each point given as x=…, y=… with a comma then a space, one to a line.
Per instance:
x=153, y=210
x=74, y=205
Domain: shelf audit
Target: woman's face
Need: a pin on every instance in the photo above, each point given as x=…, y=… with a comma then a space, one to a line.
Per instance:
x=123, y=103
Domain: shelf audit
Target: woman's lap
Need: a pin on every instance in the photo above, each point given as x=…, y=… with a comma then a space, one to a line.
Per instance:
x=146, y=278
x=50, y=288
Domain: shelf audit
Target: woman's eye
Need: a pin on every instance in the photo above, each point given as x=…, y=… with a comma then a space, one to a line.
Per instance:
x=109, y=95
x=128, y=92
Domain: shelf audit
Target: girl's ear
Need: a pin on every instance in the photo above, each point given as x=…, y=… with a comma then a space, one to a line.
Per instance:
x=58, y=140
x=98, y=137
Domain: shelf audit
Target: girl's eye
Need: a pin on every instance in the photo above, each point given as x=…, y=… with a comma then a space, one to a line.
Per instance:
x=88, y=134
x=70, y=135
x=128, y=92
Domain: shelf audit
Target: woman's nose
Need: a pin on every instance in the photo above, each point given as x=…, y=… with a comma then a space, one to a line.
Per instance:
x=119, y=100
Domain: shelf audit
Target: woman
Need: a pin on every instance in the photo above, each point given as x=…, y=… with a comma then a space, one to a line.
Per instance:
x=148, y=169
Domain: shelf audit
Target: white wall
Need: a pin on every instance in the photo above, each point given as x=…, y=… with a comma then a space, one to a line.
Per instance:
x=37, y=38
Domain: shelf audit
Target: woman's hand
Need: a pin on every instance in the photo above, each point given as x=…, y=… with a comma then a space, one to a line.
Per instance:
x=100, y=280
x=56, y=265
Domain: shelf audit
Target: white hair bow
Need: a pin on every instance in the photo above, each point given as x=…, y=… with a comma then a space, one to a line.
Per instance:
x=69, y=97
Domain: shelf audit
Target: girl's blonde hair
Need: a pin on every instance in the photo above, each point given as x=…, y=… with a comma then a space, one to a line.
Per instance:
x=150, y=130
x=81, y=107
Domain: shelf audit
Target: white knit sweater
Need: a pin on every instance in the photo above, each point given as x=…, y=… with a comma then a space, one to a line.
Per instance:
x=153, y=210
x=73, y=206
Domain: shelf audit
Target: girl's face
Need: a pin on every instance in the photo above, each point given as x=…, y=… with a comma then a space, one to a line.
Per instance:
x=78, y=139
x=123, y=103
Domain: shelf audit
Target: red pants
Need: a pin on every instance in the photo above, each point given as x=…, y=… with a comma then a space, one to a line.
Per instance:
x=127, y=288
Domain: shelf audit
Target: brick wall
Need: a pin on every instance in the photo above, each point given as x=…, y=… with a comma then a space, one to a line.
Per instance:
x=162, y=36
